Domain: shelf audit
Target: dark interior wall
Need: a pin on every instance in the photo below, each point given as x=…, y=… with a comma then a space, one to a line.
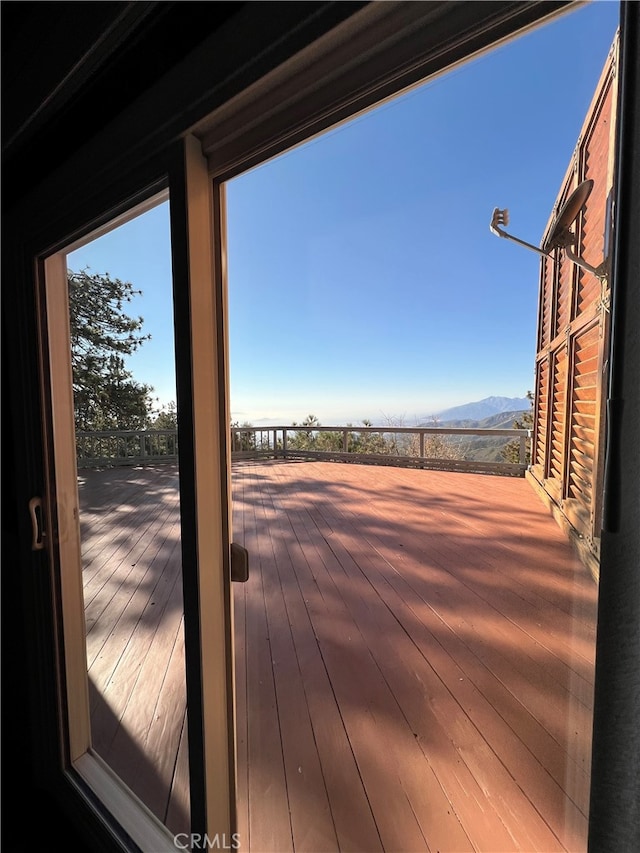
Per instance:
x=69, y=68
x=20, y=792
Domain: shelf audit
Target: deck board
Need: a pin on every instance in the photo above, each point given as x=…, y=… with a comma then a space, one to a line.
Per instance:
x=269, y=816
x=414, y=656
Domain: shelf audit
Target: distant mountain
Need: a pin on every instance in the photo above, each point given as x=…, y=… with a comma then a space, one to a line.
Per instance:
x=503, y=420
x=483, y=409
x=484, y=448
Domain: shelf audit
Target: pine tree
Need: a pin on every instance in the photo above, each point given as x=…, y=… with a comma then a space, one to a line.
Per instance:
x=106, y=396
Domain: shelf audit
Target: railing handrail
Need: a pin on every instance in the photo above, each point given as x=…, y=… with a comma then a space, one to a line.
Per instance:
x=510, y=431
x=277, y=445
x=125, y=447
x=117, y=433
x=106, y=433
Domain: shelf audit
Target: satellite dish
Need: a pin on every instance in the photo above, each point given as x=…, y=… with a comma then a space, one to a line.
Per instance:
x=560, y=235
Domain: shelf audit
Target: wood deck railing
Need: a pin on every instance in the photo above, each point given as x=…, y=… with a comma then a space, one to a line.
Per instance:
x=126, y=447
x=444, y=448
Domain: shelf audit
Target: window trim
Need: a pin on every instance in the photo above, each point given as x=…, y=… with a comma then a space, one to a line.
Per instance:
x=381, y=52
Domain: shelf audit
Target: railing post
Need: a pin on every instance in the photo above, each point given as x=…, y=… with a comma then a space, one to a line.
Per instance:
x=345, y=441
x=523, y=449
x=284, y=442
x=275, y=444
x=421, y=444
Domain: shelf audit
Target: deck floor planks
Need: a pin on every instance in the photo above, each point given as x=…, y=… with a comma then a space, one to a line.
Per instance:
x=115, y=670
x=128, y=699
x=269, y=818
x=311, y=820
x=481, y=562
x=122, y=604
x=474, y=744
x=239, y=591
x=388, y=645
x=118, y=506
x=166, y=726
x=352, y=816
x=530, y=677
x=453, y=576
x=431, y=551
x=473, y=670
x=110, y=527
x=520, y=550
x=416, y=686
x=419, y=691
x=498, y=529
x=560, y=828
x=135, y=651
x=177, y=817
x=118, y=564
x=152, y=718
x=136, y=525
x=358, y=682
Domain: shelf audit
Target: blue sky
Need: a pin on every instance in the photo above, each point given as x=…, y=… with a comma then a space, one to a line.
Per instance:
x=363, y=279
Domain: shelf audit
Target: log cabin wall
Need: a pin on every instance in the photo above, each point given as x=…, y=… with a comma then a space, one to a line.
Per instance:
x=567, y=457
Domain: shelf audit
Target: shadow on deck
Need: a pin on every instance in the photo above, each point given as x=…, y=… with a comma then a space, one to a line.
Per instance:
x=414, y=656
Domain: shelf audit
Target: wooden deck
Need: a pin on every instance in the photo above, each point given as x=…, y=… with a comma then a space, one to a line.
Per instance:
x=130, y=530
x=414, y=657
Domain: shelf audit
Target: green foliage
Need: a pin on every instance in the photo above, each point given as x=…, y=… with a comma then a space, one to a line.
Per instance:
x=383, y=443
x=106, y=396
x=165, y=418
x=242, y=440
x=441, y=447
x=305, y=439
x=372, y=442
x=511, y=451
x=434, y=446
x=310, y=420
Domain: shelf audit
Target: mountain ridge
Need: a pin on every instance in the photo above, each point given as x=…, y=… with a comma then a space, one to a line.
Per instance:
x=503, y=420
x=482, y=409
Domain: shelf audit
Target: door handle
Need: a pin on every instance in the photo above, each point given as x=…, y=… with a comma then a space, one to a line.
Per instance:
x=37, y=532
x=239, y=563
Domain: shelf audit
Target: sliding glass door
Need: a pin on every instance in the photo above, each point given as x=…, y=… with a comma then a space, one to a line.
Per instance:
x=138, y=506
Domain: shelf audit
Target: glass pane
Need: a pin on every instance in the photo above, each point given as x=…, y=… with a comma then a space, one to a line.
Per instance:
x=121, y=314
x=415, y=644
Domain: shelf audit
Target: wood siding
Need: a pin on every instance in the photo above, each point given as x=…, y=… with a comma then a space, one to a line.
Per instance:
x=573, y=335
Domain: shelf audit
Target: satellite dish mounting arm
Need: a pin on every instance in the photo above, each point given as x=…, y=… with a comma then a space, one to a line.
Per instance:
x=501, y=217
x=566, y=242
x=561, y=236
